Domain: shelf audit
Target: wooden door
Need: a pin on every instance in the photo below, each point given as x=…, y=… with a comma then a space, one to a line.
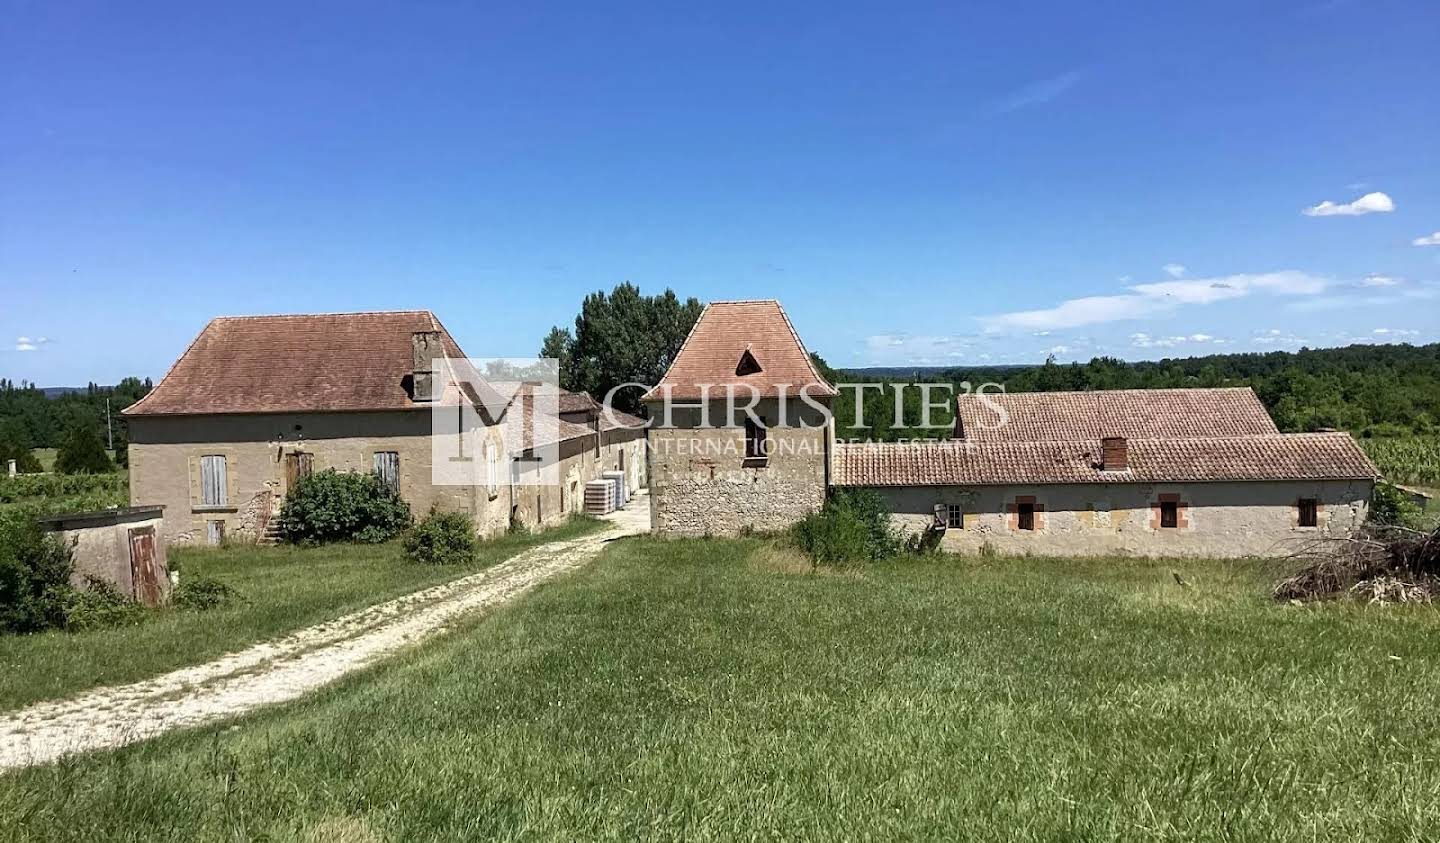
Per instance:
x=298, y=464
x=144, y=581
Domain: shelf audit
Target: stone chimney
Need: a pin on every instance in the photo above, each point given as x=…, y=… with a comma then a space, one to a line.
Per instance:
x=1114, y=454
x=426, y=346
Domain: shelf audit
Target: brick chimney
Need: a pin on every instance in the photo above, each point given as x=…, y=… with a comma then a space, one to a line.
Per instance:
x=426, y=347
x=1114, y=454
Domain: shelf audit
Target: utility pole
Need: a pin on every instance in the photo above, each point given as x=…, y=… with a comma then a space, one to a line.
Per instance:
x=109, y=431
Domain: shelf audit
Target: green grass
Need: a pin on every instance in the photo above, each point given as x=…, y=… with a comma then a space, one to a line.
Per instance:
x=713, y=690
x=284, y=589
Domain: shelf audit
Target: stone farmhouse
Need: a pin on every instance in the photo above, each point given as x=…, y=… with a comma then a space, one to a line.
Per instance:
x=257, y=402
x=1144, y=472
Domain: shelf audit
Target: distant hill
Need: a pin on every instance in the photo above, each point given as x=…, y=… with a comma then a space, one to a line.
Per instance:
x=57, y=391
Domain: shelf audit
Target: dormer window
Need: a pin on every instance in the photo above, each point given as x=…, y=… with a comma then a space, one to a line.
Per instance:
x=748, y=365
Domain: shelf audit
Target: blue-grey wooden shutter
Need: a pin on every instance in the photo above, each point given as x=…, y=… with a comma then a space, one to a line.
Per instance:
x=214, y=485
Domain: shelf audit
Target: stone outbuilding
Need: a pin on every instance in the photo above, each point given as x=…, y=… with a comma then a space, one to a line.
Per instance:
x=123, y=547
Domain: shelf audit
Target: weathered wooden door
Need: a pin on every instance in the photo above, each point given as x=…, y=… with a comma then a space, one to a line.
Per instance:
x=144, y=580
x=297, y=464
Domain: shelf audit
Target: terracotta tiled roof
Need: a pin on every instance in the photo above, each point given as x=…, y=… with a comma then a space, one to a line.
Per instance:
x=1293, y=456
x=725, y=331
x=332, y=362
x=1132, y=413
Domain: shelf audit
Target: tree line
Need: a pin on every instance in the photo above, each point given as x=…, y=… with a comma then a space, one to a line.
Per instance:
x=72, y=422
x=1369, y=390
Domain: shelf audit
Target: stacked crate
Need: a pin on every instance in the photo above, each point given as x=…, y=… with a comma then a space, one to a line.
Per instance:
x=599, y=497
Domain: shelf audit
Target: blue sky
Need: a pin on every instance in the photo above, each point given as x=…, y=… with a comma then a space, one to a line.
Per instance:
x=918, y=183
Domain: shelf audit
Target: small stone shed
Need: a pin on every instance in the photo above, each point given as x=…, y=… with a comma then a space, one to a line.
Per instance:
x=123, y=547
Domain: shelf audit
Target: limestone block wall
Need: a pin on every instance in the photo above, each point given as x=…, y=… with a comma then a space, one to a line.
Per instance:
x=165, y=455
x=1222, y=520
x=701, y=483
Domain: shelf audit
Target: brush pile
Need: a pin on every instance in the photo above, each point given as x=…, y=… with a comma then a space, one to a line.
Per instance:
x=1385, y=565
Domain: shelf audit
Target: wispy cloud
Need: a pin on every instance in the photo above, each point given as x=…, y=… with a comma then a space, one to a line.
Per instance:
x=28, y=344
x=1370, y=203
x=922, y=349
x=1368, y=295
x=1378, y=280
x=1154, y=298
x=1038, y=93
x=1427, y=240
x=1395, y=332
x=1174, y=270
x=1147, y=341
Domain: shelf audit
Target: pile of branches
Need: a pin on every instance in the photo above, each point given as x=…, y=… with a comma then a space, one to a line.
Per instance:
x=1384, y=565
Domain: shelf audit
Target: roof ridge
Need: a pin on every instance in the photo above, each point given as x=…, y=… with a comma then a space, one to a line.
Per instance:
x=745, y=301
x=425, y=311
x=1127, y=390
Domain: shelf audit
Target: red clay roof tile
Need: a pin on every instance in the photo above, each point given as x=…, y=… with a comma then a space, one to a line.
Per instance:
x=725, y=331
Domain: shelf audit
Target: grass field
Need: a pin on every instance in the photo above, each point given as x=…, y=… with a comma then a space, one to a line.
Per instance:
x=714, y=690
x=284, y=588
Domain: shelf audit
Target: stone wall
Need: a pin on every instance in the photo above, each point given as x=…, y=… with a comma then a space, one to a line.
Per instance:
x=1215, y=519
x=701, y=483
x=165, y=455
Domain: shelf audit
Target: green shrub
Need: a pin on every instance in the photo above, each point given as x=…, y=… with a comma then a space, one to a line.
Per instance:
x=201, y=594
x=1392, y=506
x=852, y=526
x=82, y=453
x=442, y=538
x=35, y=572
x=99, y=605
x=333, y=506
x=25, y=460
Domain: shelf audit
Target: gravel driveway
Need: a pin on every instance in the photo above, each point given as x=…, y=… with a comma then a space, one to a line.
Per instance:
x=286, y=668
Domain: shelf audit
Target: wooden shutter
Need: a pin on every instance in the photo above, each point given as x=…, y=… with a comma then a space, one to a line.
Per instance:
x=214, y=482
x=387, y=468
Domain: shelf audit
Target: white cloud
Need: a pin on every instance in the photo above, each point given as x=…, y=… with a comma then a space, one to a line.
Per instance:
x=1038, y=93
x=1151, y=299
x=1059, y=349
x=28, y=344
x=1147, y=341
x=1379, y=281
x=1395, y=332
x=1174, y=270
x=1427, y=240
x=885, y=349
x=1370, y=203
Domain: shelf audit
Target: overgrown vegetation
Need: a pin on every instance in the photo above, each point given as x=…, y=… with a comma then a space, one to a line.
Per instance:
x=342, y=506
x=1393, y=507
x=442, y=538
x=852, y=526
x=35, y=570
x=1013, y=699
x=99, y=605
